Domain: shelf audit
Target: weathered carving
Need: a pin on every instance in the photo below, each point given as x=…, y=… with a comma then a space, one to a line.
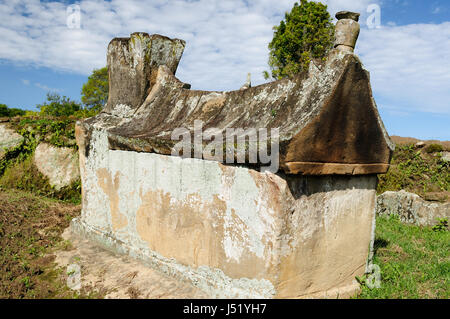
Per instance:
x=325, y=115
x=347, y=30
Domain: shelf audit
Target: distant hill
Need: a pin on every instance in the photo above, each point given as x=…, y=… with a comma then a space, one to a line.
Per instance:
x=411, y=140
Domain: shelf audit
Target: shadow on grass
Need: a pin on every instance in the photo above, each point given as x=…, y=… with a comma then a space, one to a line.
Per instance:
x=379, y=243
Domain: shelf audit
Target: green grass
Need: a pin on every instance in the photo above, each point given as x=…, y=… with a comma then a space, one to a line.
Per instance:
x=22, y=174
x=414, y=261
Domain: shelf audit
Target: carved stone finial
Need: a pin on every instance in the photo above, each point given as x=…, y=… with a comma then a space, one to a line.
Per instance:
x=133, y=64
x=347, y=30
x=347, y=15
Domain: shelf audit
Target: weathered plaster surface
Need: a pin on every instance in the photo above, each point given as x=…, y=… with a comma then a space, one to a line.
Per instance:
x=228, y=226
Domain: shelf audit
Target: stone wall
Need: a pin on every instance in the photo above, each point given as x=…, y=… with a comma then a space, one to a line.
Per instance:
x=411, y=208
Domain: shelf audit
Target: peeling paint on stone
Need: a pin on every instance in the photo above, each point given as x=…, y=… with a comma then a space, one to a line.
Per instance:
x=245, y=223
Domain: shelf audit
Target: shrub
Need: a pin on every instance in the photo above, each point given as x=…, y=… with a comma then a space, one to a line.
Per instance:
x=434, y=148
x=57, y=105
x=10, y=112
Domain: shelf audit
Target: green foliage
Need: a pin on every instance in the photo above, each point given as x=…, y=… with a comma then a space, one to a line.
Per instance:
x=415, y=171
x=442, y=225
x=94, y=93
x=19, y=153
x=306, y=33
x=56, y=131
x=434, y=148
x=29, y=113
x=5, y=111
x=413, y=261
x=17, y=170
x=57, y=105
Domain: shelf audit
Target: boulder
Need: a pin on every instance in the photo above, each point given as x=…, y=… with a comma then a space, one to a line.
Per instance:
x=445, y=157
x=59, y=164
x=420, y=144
x=8, y=139
x=411, y=208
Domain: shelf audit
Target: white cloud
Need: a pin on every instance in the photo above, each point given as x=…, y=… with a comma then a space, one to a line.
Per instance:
x=46, y=88
x=26, y=82
x=225, y=40
x=409, y=65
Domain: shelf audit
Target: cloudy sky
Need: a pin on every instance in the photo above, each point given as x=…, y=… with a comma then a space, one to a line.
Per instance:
x=407, y=50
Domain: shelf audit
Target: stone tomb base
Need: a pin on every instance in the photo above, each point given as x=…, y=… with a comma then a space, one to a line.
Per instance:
x=231, y=231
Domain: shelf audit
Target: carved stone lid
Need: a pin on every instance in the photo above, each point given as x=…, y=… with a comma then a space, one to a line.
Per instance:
x=327, y=118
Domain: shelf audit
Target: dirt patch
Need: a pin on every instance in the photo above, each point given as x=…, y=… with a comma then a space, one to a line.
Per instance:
x=30, y=230
x=121, y=276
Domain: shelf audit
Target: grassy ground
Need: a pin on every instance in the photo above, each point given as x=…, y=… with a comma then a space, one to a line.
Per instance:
x=30, y=230
x=414, y=261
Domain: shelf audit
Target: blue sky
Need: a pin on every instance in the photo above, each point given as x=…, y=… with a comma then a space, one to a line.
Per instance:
x=408, y=56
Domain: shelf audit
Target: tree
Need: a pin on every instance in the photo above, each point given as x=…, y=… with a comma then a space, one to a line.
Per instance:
x=306, y=33
x=10, y=112
x=4, y=111
x=94, y=93
x=57, y=105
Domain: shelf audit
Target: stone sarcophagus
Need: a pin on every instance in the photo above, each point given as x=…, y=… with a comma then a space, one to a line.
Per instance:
x=236, y=223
